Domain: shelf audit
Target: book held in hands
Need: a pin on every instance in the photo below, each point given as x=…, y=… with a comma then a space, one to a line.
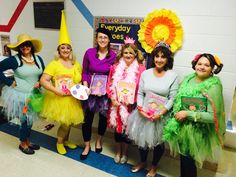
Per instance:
x=154, y=103
x=64, y=83
x=98, y=84
x=126, y=92
x=196, y=104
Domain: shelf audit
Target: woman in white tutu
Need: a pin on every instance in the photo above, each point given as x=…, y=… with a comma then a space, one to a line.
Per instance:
x=27, y=68
x=145, y=126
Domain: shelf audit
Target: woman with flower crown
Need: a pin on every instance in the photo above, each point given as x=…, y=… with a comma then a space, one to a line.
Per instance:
x=127, y=69
x=146, y=129
x=197, y=135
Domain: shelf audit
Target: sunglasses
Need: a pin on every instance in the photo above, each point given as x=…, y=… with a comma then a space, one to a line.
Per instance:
x=26, y=44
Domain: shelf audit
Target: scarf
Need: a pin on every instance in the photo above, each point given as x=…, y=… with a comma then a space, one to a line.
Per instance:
x=127, y=74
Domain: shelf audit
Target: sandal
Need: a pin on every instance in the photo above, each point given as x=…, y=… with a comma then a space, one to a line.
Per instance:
x=138, y=167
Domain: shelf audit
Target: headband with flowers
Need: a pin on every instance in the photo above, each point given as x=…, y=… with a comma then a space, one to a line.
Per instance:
x=216, y=58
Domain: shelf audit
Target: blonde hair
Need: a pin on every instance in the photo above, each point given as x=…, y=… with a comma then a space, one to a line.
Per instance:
x=72, y=56
x=133, y=49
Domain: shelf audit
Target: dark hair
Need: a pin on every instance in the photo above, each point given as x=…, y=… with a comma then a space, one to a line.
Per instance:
x=138, y=54
x=32, y=52
x=104, y=31
x=108, y=33
x=212, y=61
x=167, y=54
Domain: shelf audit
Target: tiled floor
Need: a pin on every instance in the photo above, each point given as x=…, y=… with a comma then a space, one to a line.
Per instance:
x=46, y=163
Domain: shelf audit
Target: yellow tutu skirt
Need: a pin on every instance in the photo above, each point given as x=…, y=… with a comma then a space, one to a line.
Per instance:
x=63, y=109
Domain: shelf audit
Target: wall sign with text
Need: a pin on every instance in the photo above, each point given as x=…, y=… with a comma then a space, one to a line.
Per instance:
x=120, y=27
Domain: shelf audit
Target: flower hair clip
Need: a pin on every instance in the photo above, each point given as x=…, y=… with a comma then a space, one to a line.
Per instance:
x=217, y=60
x=197, y=57
x=129, y=40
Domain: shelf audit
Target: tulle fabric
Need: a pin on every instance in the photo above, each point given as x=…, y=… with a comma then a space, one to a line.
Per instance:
x=13, y=102
x=63, y=109
x=144, y=133
x=193, y=140
x=97, y=104
x=199, y=140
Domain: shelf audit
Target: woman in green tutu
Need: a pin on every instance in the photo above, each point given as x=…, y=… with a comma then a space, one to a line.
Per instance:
x=198, y=124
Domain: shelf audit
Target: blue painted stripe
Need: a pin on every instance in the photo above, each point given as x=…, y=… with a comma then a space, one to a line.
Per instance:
x=99, y=161
x=84, y=11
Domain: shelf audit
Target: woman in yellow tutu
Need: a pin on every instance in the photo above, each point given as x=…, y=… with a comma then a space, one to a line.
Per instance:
x=58, y=77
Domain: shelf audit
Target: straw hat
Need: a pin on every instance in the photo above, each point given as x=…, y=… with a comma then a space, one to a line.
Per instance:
x=23, y=38
x=64, y=35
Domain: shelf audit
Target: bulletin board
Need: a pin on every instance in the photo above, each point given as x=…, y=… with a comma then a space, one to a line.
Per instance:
x=120, y=27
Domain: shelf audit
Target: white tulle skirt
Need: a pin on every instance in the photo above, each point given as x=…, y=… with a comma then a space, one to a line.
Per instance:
x=13, y=102
x=145, y=133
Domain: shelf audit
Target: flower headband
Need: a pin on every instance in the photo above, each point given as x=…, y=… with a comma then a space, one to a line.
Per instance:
x=216, y=58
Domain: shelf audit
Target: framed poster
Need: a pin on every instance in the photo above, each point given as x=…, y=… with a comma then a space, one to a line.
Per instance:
x=5, y=39
x=120, y=27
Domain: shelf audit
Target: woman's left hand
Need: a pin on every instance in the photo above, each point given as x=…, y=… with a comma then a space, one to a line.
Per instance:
x=36, y=85
x=156, y=117
x=181, y=115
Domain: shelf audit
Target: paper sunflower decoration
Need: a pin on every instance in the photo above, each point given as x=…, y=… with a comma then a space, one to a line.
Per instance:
x=160, y=25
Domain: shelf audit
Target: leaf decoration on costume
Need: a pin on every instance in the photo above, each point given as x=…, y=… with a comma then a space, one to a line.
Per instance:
x=160, y=25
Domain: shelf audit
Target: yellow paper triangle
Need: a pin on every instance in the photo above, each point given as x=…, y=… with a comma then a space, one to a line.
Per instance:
x=64, y=35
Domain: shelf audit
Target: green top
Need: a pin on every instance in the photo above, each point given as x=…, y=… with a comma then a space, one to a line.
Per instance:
x=202, y=132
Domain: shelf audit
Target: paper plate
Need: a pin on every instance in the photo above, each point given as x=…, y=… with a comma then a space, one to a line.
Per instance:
x=79, y=91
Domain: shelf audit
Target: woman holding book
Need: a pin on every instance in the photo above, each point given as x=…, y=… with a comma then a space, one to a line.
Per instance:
x=144, y=126
x=96, y=66
x=122, y=89
x=27, y=68
x=197, y=135
x=59, y=76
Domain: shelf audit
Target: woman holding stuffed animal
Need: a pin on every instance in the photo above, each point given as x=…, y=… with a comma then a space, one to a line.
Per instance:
x=145, y=126
x=58, y=77
x=197, y=134
x=27, y=68
x=127, y=71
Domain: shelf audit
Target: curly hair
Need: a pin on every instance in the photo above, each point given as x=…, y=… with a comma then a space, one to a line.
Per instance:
x=167, y=54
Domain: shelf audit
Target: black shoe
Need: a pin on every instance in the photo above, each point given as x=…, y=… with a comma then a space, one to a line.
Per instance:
x=34, y=146
x=83, y=157
x=98, y=150
x=27, y=151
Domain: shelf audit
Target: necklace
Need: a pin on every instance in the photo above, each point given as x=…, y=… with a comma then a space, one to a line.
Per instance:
x=28, y=60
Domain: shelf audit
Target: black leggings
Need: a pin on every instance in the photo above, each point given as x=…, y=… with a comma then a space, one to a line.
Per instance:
x=121, y=138
x=157, y=154
x=188, y=167
x=87, y=125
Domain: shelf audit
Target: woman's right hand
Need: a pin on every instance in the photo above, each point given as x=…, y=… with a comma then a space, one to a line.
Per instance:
x=13, y=85
x=115, y=102
x=59, y=92
x=144, y=114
